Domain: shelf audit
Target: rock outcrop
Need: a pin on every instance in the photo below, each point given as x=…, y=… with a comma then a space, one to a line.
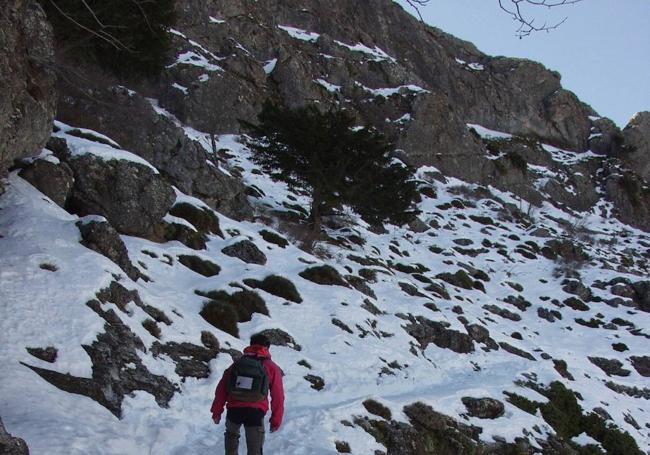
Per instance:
x=107, y=188
x=28, y=98
x=10, y=445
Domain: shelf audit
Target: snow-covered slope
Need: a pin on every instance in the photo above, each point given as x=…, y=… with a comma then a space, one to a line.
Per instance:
x=398, y=329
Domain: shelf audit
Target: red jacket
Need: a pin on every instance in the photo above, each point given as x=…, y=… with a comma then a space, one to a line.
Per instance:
x=276, y=388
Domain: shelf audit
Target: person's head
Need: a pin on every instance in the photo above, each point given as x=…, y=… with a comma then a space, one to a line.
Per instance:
x=261, y=340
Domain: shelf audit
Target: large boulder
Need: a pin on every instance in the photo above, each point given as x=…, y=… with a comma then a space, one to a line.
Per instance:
x=130, y=195
x=51, y=177
x=28, y=98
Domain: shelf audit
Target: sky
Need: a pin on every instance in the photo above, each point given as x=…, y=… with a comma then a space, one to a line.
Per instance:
x=602, y=50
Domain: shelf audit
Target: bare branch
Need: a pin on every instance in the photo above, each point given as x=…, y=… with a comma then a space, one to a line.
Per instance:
x=416, y=4
x=527, y=24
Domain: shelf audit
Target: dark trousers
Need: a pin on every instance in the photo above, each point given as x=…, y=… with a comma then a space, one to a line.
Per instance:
x=253, y=421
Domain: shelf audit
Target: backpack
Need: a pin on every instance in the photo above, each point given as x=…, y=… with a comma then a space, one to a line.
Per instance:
x=248, y=380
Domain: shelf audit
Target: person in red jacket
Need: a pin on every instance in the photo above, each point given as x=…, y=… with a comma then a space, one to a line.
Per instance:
x=250, y=413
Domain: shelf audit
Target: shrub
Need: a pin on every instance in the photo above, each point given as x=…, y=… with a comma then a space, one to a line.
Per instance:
x=198, y=265
x=274, y=238
x=221, y=315
x=244, y=302
x=324, y=275
x=378, y=409
x=204, y=220
x=522, y=403
x=152, y=327
x=278, y=286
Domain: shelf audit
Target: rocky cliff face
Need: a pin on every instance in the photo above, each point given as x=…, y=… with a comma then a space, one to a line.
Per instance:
x=423, y=88
x=27, y=80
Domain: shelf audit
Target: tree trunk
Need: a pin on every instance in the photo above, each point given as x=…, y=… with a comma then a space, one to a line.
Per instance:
x=315, y=215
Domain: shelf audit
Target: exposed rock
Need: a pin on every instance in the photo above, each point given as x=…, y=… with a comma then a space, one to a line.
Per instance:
x=28, y=99
x=247, y=251
x=101, y=237
x=191, y=360
x=131, y=196
x=276, y=285
x=630, y=196
x=279, y=337
x=426, y=331
x=605, y=138
x=504, y=313
x=317, y=383
x=612, y=367
x=516, y=351
x=483, y=408
x=637, y=144
x=549, y=315
x=360, y=285
x=117, y=369
x=53, y=180
x=641, y=364
x=10, y=445
x=576, y=287
x=121, y=297
x=642, y=295
x=570, y=251
x=157, y=139
x=635, y=392
x=47, y=354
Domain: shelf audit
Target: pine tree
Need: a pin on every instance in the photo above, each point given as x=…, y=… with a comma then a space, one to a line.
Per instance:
x=337, y=163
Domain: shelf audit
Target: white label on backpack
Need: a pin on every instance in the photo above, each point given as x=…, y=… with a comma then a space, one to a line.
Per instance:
x=244, y=382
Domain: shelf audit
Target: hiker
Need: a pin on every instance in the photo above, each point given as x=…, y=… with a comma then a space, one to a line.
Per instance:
x=243, y=389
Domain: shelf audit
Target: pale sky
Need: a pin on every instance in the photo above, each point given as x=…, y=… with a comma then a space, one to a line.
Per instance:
x=602, y=51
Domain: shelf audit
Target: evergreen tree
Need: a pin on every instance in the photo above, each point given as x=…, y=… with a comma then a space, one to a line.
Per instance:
x=337, y=163
x=128, y=37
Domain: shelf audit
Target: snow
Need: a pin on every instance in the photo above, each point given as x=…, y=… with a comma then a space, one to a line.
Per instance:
x=376, y=53
x=390, y=91
x=42, y=308
x=487, y=133
x=472, y=66
x=80, y=147
x=180, y=87
x=214, y=20
x=299, y=33
x=269, y=66
x=328, y=86
x=194, y=59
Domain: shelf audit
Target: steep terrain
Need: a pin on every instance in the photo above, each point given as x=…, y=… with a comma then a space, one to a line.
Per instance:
x=142, y=248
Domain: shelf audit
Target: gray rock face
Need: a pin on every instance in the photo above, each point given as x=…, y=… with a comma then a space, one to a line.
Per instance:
x=637, y=143
x=130, y=195
x=630, y=197
x=10, y=445
x=131, y=121
x=53, y=180
x=28, y=99
x=103, y=238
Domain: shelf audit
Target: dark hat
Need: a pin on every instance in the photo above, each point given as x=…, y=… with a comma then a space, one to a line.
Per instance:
x=260, y=339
